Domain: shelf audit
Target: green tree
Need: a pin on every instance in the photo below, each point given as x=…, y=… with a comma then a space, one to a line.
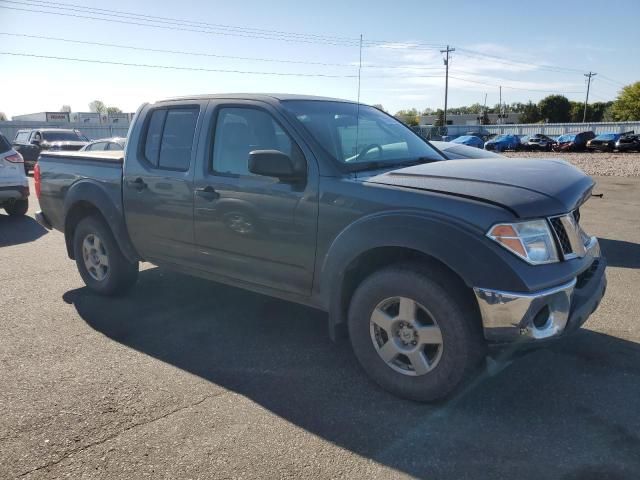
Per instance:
x=113, y=110
x=439, y=118
x=3, y=117
x=529, y=113
x=627, y=106
x=379, y=107
x=97, y=106
x=411, y=117
x=65, y=108
x=555, y=109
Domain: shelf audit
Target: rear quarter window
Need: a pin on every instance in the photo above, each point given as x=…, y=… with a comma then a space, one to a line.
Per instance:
x=169, y=138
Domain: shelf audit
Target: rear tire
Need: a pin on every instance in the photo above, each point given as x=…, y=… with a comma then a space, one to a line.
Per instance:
x=18, y=208
x=101, y=263
x=440, y=315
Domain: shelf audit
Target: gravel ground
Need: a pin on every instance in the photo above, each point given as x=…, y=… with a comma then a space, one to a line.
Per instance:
x=602, y=164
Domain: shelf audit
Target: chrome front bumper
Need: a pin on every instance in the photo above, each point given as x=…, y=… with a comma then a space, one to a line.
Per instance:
x=514, y=316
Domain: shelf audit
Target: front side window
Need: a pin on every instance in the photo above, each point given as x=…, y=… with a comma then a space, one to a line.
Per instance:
x=169, y=138
x=359, y=136
x=242, y=130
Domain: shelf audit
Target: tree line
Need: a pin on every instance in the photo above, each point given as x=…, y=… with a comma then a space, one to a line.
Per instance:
x=551, y=109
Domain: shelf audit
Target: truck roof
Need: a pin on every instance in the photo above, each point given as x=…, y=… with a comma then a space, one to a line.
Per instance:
x=262, y=97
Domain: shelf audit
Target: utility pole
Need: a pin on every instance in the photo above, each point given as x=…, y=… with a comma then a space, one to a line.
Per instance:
x=446, y=81
x=500, y=107
x=586, y=100
x=484, y=110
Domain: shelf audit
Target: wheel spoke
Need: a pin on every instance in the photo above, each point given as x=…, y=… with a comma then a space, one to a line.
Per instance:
x=418, y=361
x=429, y=335
x=388, y=351
x=382, y=319
x=104, y=260
x=407, y=309
x=86, y=244
x=97, y=244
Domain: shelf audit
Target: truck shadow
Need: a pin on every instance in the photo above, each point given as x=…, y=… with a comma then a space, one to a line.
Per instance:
x=17, y=230
x=620, y=253
x=562, y=411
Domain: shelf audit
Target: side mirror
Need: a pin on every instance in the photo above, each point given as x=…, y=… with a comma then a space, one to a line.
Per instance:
x=35, y=142
x=273, y=163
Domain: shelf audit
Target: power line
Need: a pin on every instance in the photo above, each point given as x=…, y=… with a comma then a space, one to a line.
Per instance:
x=213, y=55
x=513, y=62
x=171, y=67
x=172, y=28
x=130, y=18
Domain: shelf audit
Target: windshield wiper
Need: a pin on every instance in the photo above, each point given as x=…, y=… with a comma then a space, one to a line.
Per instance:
x=376, y=164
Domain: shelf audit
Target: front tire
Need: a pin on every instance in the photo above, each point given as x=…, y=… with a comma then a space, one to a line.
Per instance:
x=101, y=263
x=414, y=336
x=18, y=208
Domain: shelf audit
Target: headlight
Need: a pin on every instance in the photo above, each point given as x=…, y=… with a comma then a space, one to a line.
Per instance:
x=532, y=241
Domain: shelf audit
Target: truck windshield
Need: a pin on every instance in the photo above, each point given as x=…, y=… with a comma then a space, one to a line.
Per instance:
x=63, y=136
x=360, y=138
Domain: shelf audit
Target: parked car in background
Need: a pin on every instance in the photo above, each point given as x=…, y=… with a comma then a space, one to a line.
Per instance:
x=457, y=151
x=628, y=143
x=469, y=140
x=500, y=143
x=14, y=186
x=573, y=142
x=604, y=142
x=30, y=142
x=113, y=143
x=537, y=142
x=425, y=261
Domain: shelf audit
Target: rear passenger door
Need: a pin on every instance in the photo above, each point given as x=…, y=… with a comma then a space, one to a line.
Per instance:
x=158, y=181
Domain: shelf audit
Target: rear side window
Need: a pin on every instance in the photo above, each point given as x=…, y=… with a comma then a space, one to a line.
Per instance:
x=4, y=144
x=169, y=139
x=22, y=137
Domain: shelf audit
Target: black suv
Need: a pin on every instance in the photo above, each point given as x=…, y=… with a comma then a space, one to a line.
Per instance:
x=30, y=142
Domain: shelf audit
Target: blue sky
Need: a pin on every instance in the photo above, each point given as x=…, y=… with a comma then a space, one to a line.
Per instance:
x=403, y=70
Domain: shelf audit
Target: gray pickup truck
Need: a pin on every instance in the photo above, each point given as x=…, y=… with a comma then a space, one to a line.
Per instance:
x=424, y=261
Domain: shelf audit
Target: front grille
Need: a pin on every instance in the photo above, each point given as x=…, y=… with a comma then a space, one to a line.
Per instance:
x=561, y=235
x=571, y=239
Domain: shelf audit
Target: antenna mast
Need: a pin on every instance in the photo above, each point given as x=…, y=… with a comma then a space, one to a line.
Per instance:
x=358, y=104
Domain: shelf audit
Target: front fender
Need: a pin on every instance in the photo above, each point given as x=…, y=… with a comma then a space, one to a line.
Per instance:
x=458, y=245
x=110, y=207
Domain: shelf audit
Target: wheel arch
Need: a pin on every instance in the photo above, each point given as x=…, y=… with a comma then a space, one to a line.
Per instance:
x=87, y=198
x=457, y=254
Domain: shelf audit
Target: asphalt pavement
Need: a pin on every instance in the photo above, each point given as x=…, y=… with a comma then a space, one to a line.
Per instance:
x=185, y=378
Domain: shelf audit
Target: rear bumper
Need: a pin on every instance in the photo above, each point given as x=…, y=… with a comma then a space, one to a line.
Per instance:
x=13, y=193
x=513, y=316
x=43, y=220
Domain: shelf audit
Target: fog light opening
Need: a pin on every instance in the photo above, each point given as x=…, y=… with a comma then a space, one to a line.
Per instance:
x=542, y=318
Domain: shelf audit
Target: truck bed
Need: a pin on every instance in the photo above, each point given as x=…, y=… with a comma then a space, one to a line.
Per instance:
x=64, y=172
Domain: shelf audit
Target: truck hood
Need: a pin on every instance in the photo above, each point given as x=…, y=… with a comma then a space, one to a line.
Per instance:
x=527, y=187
